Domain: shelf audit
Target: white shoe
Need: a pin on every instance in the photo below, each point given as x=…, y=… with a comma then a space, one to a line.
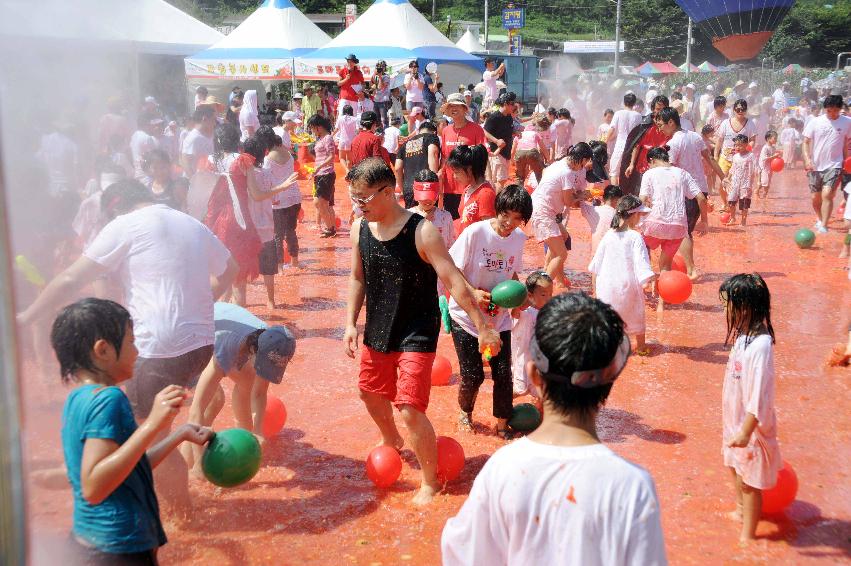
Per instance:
x=818, y=225
x=821, y=229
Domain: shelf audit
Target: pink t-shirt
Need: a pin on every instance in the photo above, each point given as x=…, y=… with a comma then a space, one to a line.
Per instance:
x=547, y=200
x=668, y=188
x=562, y=132
x=324, y=149
x=528, y=140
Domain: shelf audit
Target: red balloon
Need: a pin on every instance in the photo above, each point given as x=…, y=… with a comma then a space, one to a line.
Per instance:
x=450, y=459
x=777, y=164
x=847, y=165
x=679, y=264
x=674, y=287
x=383, y=466
x=339, y=222
x=441, y=371
x=724, y=218
x=301, y=215
x=275, y=417
x=783, y=493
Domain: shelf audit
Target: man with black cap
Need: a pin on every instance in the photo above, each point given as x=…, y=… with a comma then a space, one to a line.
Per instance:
x=350, y=83
x=367, y=143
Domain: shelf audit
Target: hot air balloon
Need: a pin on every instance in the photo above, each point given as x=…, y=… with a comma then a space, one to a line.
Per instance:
x=739, y=30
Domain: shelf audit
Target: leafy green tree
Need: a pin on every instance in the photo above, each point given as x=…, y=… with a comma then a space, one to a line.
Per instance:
x=812, y=34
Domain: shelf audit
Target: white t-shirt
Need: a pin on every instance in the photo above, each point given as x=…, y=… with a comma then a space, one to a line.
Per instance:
x=261, y=210
x=348, y=129
x=547, y=200
x=726, y=133
x=491, y=89
x=486, y=258
x=828, y=138
x=443, y=222
x=623, y=122
x=391, y=139
x=686, y=153
x=140, y=143
x=164, y=259
x=413, y=89
x=277, y=174
x=668, y=189
x=779, y=99
x=197, y=144
x=535, y=504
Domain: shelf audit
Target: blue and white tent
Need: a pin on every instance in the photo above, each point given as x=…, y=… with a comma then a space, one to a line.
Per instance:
x=393, y=31
x=262, y=47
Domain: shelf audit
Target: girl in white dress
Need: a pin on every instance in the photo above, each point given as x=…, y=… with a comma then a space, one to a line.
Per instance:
x=539, y=287
x=621, y=268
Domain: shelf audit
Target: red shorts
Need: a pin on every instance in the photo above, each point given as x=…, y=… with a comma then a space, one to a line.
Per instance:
x=411, y=386
x=670, y=247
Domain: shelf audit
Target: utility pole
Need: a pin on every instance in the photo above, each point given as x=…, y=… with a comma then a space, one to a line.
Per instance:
x=486, y=25
x=433, y=9
x=688, y=50
x=617, y=69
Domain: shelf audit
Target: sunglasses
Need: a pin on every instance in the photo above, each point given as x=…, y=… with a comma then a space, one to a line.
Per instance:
x=739, y=110
x=365, y=201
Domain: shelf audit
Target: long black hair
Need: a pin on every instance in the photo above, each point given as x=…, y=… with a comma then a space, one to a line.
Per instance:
x=473, y=157
x=625, y=204
x=748, y=303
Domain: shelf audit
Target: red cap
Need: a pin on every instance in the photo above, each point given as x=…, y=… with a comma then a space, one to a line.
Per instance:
x=425, y=190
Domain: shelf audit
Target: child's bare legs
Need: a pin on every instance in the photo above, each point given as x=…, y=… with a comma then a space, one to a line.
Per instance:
x=269, y=282
x=239, y=293
x=846, y=244
x=751, y=509
x=687, y=251
x=731, y=208
x=555, y=260
x=736, y=514
x=259, y=393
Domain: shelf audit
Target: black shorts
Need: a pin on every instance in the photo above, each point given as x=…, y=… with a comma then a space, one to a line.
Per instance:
x=323, y=187
x=152, y=375
x=692, y=213
x=269, y=258
x=82, y=555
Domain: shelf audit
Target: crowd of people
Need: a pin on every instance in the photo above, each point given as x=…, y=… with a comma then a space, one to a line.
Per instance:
x=445, y=193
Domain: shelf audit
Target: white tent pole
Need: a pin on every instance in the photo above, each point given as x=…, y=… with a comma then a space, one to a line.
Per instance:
x=292, y=72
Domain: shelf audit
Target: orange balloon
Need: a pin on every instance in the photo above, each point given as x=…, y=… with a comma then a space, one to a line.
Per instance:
x=724, y=218
x=275, y=417
x=450, y=459
x=441, y=371
x=383, y=466
x=777, y=164
x=674, y=287
x=679, y=264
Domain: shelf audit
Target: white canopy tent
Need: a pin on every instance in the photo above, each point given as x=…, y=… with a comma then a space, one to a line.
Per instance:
x=262, y=47
x=470, y=43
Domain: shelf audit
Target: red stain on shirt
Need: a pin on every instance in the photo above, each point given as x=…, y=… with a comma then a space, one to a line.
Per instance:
x=570, y=495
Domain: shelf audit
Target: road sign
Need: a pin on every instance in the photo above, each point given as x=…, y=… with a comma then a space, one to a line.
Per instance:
x=513, y=18
x=515, y=42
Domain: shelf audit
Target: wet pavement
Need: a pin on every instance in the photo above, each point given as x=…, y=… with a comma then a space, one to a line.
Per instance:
x=311, y=503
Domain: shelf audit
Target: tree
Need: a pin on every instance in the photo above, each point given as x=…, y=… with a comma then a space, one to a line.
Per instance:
x=812, y=34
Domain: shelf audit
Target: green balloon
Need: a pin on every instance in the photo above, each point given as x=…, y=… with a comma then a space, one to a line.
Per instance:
x=525, y=417
x=508, y=294
x=232, y=457
x=805, y=238
x=444, y=314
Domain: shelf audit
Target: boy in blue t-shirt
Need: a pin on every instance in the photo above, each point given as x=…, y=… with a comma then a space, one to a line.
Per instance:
x=108, y=458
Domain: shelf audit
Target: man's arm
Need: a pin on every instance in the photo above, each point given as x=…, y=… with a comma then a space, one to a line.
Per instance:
x=713, y=163
x=433, y=250
x=807, y=151
x=224, y=281
x=399, y=169
x=434, y=157
x=81, y=272
x=357, y=293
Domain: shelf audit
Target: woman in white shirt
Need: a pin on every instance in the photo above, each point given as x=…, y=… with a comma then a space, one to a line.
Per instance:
x=414, y=85
x=248, y=118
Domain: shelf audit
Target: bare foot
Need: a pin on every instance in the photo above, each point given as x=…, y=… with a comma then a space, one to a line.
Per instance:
x=398, y=443
x=425, y=494
x=465, y=422
x=694, y=275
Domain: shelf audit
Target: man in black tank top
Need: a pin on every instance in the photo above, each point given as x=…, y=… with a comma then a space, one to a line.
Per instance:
x=397, y=257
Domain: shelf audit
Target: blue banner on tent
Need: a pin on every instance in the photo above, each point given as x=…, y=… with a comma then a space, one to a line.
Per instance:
x=513, y=18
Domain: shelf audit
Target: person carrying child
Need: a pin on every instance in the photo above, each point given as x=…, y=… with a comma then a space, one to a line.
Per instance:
x=621, y=268
x=487, y=253
x=559, y=496
x=749, y=445
x=741, y=179
x=539, y=287
x=109, y=459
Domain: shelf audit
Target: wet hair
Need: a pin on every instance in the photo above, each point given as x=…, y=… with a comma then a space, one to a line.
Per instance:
x=608, y=111
x=612, y=191
x=123, y=196
x=741, y=138
x=580, y=151
x=740, y=103
x=152, y=155
x=426, y=176
x=564, y=113
x=667, y=114
x=719, y=101
x=225, y=140
x=770, y=134
x=748, y=306
x=676, y=95
x=576, y=333
x=371, y=172
x=626, y=204
x=506, y=98
x=348, y=110
x=514, y=198
x=203, y=112
x=659, y=98
x=532, y=282
x=256, y=149
x=79, y=326
x=473, y=157
x=833, y=101
x=266, y=136
x=599, y=152
x=427, y=125
x=707, y=129
x=543, y=123
x=321, y=121
x=658, y=153
x=629, y=99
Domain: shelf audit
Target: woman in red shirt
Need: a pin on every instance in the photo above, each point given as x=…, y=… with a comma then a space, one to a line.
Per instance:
x=642, y=139
x=467, y=164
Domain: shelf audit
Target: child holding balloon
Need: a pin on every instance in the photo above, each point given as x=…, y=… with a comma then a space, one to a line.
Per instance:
x=750, y=446
x=539, y=287
x=489, y=252
x=108, y=457
x=766, y=155
x=621, y=268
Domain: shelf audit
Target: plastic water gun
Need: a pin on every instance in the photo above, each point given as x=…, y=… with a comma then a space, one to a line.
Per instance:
x=29, y=271
x=444, y=313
